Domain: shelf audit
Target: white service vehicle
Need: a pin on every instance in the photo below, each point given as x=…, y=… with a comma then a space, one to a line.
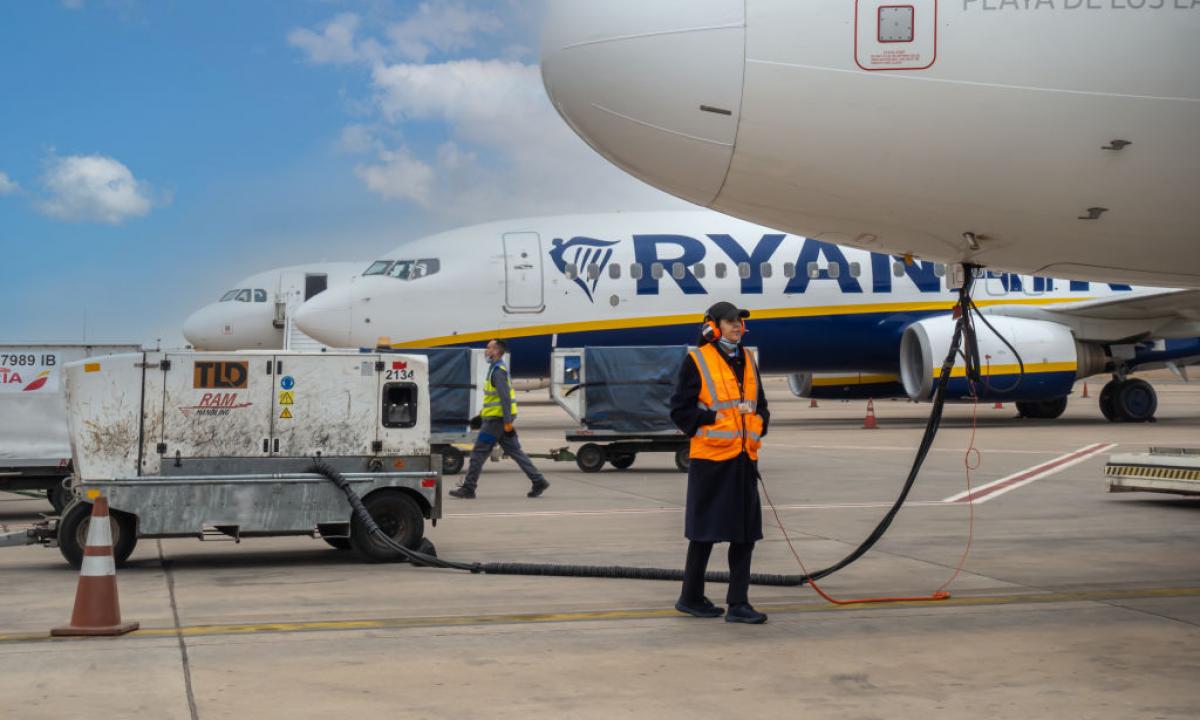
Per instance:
x=219, y=446
x=34, y=452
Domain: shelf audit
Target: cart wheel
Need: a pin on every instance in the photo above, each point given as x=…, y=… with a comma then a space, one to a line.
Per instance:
x=623, y=462
x=452, y=460
x=683, y=458
x=60, y=497
x=398, y=515
x=590, y=458
x=338, y=543
x=73, y=530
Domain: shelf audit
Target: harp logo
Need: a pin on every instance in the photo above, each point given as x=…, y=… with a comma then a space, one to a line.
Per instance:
x=582, y=260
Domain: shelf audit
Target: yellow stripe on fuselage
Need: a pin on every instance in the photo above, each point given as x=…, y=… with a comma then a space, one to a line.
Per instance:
x=1014, y=369
x=853, y=380
x=663, y=320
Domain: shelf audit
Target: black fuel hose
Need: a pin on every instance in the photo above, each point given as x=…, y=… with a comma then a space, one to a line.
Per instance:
x=962, y=326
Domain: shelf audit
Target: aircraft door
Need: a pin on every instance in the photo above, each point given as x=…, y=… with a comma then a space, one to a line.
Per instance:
x=523, y=273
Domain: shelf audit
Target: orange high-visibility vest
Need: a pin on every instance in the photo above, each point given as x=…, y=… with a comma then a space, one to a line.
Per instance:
x=734, y=431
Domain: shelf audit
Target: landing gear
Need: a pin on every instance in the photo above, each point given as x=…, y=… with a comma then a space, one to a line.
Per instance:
x=1129, y=400
x=1042, y=409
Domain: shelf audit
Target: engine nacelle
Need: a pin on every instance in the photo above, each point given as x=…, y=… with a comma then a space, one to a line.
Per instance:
x=845, y=386
x=1052, y=357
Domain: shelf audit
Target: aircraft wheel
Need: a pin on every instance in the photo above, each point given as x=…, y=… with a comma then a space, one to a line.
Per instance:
x=1106, y=401
x=1136, y=401
x=623, y=462
x=1043, y=409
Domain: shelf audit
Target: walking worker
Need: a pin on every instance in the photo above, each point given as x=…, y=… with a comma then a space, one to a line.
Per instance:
x=719, y=402
x=496, y=426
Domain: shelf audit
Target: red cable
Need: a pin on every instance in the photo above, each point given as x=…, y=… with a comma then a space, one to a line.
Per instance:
x=941, y=593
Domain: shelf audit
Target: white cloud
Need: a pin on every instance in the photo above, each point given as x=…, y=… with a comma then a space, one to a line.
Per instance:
x=356, y=139
x=440, y=26
x=93, y=188
x=398, y=176
x=509, y=154
x=7, y=184
x=334, y=44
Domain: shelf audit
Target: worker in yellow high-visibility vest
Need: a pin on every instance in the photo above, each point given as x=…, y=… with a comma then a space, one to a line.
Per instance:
x=496, y=426
x=720, y=404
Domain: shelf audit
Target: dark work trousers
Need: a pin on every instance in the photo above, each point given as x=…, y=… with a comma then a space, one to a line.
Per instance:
x=491, y=433
x=739, y=571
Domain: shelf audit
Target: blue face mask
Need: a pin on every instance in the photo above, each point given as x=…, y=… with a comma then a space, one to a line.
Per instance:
x=727, y=345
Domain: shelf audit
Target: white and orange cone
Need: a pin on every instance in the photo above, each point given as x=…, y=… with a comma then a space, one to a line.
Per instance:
x=812, y=403
x=869, y=423
x=97, y=609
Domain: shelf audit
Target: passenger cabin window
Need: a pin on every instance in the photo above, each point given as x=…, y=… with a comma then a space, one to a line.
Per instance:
x=939, y=270
x=571, y=272
x=379, y=267
x=766, y=270
x=698, y=270
x=593, y=271
x=898, y=269
x=855, y=269
x=719, y=271
x=834, y=271
x=789, y=270
x=656, y=271
x=243, y=296
x=814, y=271
x=399, y=405
x=614, y=271
x=678, y=271
x=635, y=271
x=743, y=270
x=260, y=295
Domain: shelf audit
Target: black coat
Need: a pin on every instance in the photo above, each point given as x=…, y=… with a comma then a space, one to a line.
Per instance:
x=722, y=497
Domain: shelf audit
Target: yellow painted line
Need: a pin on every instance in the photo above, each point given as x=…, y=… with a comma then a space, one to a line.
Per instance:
x=693, y=318
x=637, y=614
x=960, y=371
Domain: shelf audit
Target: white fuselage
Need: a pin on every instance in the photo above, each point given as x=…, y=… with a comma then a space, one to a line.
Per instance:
x=1053, y=137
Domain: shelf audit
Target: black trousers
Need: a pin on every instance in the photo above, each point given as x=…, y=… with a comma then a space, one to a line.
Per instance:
x=697, y=564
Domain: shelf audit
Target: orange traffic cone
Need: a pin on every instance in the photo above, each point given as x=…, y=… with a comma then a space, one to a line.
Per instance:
x=97, y=610
x=1085, y=393
x=869, y=423
x=812, y=403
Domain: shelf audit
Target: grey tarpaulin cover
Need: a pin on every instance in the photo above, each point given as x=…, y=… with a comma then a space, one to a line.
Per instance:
x=629, y=388
x=450, y=387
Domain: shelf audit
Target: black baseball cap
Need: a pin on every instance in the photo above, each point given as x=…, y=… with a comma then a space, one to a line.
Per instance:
x=726, y=311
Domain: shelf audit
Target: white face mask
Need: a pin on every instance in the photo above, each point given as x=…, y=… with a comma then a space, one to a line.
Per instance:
x=728, y=345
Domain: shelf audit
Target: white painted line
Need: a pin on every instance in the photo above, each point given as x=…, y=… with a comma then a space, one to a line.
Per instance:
x=905, y=448
x=678, y=510
x=996, y=488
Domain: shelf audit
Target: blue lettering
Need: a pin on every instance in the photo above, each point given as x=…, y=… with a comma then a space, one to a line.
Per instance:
x=645, y=249
x=1084, y=286
x=762, y=253
x=922, y=273
x=812, y=251
x=1043, y=284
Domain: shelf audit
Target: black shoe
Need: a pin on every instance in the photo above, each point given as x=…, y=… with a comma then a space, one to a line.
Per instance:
x=702, y=609
x=463, y=492
x=539, y=487
x=745, y=613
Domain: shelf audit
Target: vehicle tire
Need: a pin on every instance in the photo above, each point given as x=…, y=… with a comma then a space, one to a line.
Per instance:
x=338, y=543
x=73, y=530
x=1043, y=409
x=590, y=458
x=1135, y=401
x=1106, y=401
x=398, y=515
x=623, y=461
x=452, y=460
x=60, y=497
x=683, y=458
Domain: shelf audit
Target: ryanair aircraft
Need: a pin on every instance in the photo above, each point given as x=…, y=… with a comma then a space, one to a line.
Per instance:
x=841, y=322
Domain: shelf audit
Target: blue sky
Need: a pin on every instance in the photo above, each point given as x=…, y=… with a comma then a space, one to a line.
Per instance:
x=153, y=153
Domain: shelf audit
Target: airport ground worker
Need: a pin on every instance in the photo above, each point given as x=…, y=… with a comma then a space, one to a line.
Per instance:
x=719, y=402
x=496, y=426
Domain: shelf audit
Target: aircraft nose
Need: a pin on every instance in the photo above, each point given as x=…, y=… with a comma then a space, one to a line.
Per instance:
x=327, y=317
x=654, y=86
x=208, y=328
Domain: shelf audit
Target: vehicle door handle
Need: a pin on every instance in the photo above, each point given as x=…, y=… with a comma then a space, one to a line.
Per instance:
x=266, y=445
x=276, y=444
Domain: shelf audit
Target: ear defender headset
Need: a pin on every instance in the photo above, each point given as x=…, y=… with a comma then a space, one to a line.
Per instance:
x=711, y=331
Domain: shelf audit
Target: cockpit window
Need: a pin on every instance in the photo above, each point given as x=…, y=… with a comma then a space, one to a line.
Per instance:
x=229, y=296
x=414, y=269
x=243, y=296
x=260, y=295
x=379, y=267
